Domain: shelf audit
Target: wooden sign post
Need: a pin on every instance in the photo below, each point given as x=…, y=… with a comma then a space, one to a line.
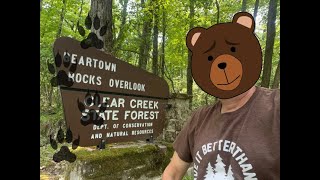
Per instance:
x=105, y=98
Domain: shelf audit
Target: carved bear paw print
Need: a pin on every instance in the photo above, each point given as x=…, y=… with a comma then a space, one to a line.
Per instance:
x=92, y=39
x=62, y=77
x=64, y=153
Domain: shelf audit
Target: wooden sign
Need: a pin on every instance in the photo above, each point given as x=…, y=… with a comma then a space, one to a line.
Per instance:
x=105, y=98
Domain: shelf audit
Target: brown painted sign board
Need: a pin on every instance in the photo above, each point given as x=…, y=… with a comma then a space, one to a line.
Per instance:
x=133, y=99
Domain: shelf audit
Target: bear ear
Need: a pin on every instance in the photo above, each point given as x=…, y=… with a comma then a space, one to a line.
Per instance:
x=244, y=19
x=193, y=36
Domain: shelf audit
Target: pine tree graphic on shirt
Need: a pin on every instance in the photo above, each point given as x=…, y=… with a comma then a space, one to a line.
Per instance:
x=229, y=174
x=210, y=173
x=219, y=172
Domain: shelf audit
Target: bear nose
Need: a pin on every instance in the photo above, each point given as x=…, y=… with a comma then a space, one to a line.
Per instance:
x=222, y=65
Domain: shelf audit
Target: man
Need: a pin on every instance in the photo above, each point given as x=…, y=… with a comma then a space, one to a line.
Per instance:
x=239, y=136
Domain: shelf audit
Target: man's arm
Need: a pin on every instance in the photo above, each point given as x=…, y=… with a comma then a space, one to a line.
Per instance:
x=175, y=169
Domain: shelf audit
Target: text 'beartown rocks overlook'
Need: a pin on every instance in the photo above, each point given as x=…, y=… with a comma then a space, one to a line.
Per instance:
x=97, y=80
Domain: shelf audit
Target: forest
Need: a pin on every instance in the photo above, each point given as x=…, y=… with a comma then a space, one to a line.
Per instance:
x=151, y=35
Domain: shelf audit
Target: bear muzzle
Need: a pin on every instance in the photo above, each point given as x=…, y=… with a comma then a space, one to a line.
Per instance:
x=226, y=72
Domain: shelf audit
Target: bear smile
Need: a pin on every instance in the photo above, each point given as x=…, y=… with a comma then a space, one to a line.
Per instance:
x=231, y=81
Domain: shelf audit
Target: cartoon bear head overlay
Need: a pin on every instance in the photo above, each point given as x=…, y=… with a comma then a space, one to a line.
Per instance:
x=226, y=57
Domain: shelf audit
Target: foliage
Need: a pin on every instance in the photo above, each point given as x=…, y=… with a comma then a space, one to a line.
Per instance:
x=187, y=177
x=176, y=26
x=49, y=25
x=46, y=153
x=49, y=124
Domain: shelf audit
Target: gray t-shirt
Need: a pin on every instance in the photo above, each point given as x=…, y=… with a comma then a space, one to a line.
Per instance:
x=243, y=144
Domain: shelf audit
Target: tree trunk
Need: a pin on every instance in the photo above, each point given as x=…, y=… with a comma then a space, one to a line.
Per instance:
x=162, y=60
x=205, y=7
x=189, y=75
x=276, y=80
x=80, y=13
x=119, y=40
x=169, y=77
x=73, y=26
x=108, y=40
x=61, y=19
x=103, y=9
x=218, y=11
x=163, y=41
x=271, y=32
x=57, y=36
x=244, y=5
x=155, y=38
x=256, y=7
x=145, y=38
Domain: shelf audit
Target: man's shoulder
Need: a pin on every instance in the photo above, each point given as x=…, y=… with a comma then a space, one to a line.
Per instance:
x=205, y=108
x=269, y=93
x=201, y=112
x=198, y=115
x=268, y=90
x=269, y=98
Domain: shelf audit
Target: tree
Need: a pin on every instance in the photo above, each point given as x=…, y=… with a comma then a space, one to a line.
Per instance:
x=271, y=32
x=218, y=11
x=61, y=19
x=220, y=171
x=108, y=40
x=81, y=9
x=103, y=10
x=146, y=32
x=256, y=7
x=120, y=38
x=189, y=74
x=155, y=38
x=73, y=23
x=62, y=14
x=244, y=5
x=162, y=56
x=209, y=173
x=276, y=79
x=230, y=174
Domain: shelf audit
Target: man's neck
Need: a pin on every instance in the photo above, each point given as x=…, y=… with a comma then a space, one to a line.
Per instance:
x=232, y=104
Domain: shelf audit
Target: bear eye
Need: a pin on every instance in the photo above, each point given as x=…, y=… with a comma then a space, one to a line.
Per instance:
x=210, y=58
x=233, y=49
